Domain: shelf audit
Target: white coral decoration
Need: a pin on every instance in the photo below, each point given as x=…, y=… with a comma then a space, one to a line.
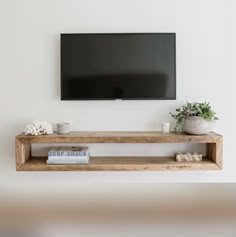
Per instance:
x=38, y=128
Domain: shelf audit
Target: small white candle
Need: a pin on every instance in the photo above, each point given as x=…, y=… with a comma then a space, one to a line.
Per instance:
x=63, y=128
x=165, y=127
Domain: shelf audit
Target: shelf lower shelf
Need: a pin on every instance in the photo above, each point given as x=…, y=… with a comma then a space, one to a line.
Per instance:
x=120, y=164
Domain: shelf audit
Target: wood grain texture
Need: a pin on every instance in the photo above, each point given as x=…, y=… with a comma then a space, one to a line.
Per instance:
x=121, y=164
x=120, y=137
x=214, y=142
x=215, y=152
x=23, y=153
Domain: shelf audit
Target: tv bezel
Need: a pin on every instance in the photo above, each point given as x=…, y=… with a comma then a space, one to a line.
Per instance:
x=105, y=99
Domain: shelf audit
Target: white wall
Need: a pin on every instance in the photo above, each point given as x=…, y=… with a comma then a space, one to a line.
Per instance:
x=30, y=79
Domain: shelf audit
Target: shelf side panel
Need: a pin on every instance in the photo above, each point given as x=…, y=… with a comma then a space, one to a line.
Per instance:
x=215, y=152
x=23, y=153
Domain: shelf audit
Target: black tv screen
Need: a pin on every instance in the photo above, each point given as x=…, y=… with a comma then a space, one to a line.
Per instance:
x=118, y=66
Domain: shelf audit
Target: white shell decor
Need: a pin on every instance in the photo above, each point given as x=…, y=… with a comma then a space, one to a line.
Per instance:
x=38, y=128
x=197, y=125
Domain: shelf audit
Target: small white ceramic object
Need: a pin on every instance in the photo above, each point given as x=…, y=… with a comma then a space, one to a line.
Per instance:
x=63, y=128
x=165, y=127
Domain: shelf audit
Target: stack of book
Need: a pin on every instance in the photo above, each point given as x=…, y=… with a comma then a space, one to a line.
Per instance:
x=68, y=155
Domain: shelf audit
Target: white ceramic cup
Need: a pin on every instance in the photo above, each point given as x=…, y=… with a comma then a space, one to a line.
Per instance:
x=165, y=127
x=63, y=128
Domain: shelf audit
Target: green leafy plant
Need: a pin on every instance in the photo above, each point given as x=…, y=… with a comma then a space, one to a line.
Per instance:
x=202, y=110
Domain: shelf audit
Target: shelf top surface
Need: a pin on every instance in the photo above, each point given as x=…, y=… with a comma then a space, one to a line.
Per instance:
x=123, y=137
x=121, y=134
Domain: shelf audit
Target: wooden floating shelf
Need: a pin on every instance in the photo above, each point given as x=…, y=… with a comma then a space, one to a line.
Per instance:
x=212, y=161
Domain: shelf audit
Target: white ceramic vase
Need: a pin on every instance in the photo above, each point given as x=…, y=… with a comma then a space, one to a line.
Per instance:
x=197, y=126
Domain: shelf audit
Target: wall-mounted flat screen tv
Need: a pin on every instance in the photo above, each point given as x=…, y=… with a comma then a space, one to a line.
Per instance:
x=128, y=66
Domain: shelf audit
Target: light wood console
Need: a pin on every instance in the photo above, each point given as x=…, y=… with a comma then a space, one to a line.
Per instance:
x=212, y=161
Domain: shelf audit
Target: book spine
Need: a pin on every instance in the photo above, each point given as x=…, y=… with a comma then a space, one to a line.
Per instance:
x=68, y=153
x=67, y=157
x=67, y=162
